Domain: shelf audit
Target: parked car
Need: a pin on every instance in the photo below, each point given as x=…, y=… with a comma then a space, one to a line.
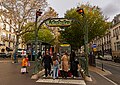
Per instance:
x=99, y=56
x=21, y=52
x=107, y=57
x=8, y=55
x=2, y=55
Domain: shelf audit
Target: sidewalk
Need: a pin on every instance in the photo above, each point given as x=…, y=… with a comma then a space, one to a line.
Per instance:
x=98, y=70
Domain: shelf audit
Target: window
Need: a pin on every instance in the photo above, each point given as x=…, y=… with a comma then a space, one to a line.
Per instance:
x=114, y=33
x=115, y=46
x=4, y=26
x=117, y=37
x=118, y=45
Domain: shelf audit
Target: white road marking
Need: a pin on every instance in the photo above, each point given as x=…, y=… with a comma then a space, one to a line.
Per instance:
x=68, y=81
x=108, y=79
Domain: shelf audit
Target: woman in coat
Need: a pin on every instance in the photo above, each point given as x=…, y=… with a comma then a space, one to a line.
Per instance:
x=65, y=65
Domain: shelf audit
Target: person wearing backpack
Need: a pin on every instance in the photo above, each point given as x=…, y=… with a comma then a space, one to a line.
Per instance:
x=55, y=66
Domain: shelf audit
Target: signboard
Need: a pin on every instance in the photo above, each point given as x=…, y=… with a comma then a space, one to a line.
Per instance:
x=58, y=22
x=65, y=45
x=94, y=49
x=94, y=46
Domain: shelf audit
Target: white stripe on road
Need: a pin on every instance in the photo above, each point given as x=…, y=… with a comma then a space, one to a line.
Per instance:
x=108, y=79
x=64, y=81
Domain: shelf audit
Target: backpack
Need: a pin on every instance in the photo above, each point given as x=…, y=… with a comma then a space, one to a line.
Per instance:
x=55, y=63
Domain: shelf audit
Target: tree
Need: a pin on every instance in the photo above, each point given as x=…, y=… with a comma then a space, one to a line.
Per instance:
x=20, y=12
x=44, y=35
x=94, y=20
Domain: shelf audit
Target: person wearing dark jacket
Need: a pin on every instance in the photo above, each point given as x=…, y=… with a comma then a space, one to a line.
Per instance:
x=72, y=57
x=47, y=62
x=75, y=66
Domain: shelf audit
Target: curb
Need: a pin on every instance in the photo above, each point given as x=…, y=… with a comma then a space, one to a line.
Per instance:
x=36, y=76
x=86, y=78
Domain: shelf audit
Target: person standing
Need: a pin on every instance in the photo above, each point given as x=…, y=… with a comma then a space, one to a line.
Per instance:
x=55, y=65
x=75, y=66
x=47, y=62
x=72, y=57
x=24, y=64
x=65, y=66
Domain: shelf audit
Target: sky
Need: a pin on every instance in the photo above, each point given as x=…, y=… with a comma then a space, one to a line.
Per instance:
x=110, y=8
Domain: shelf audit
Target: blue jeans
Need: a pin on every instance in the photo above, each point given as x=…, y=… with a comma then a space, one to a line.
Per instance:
x=55, y=72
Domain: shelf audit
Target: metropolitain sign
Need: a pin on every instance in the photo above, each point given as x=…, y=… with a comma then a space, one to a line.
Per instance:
x=58, y=22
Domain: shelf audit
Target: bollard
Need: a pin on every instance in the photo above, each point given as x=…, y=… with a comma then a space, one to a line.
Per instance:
x=102, y=67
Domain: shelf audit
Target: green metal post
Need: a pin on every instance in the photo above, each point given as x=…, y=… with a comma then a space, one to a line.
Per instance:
x=36, y=42
x=86, y=43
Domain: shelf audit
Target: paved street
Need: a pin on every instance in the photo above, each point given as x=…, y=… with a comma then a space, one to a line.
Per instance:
x=114, y=68
x=10, y=74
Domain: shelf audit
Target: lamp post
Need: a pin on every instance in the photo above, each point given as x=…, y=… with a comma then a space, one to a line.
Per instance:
x=81, y=11
x=38, y=13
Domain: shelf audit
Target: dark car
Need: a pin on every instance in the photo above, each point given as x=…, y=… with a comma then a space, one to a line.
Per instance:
x=8, y=55
x=2, y=55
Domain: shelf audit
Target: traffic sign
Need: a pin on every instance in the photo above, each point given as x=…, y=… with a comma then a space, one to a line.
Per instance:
x=94, y=49
x=94, y=46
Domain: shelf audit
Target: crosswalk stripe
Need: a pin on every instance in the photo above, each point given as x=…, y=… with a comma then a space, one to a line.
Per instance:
x=65, y=81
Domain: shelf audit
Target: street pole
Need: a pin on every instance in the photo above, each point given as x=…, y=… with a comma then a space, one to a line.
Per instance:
x=81, y=11
x=86, y=43
x=38, y=13
x=36, y=39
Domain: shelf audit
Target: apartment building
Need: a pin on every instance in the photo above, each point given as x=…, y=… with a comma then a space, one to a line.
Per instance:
x=115, y=37
x=103, y=43
x=7, y=36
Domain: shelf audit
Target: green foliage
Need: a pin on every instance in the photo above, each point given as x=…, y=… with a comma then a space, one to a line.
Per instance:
x=44, y=34
x=93, y=19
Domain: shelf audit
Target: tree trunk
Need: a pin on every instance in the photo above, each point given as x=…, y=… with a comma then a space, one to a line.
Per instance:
x=15, y=57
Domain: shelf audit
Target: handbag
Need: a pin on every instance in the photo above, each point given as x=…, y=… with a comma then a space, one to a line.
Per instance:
x=23, y=70
x=28, y=63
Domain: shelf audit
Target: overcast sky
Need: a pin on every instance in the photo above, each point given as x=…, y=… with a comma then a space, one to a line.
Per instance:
x=110, y=8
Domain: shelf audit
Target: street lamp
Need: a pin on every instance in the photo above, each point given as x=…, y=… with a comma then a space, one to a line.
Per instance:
x=38, y=13
x=81, y=11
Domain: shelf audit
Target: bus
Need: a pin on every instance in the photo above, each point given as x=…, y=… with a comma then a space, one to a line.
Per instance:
x=64, y=48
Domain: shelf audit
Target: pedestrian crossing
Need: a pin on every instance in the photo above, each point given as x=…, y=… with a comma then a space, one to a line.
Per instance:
x=62, y=81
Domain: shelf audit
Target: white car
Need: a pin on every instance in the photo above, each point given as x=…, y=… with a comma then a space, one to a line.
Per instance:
x=107, y=57
x=21, y=52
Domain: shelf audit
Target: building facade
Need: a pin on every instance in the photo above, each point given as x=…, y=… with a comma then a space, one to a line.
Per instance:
x=103, y=44
x=7, y=36
x=115, y=36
